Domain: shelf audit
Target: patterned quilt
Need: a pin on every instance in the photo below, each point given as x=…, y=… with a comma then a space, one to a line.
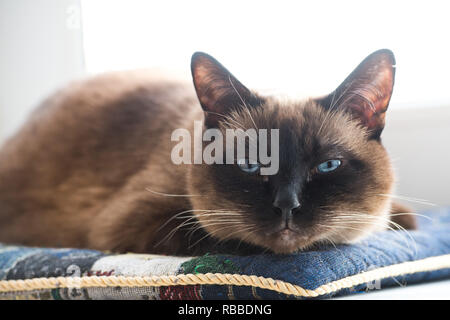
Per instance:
x=384, y=260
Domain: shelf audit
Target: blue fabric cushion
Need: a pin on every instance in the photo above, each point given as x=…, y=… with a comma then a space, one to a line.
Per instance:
x=306, y=270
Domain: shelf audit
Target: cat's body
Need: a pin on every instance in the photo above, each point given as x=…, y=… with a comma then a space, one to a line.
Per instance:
x=90, y=153
x=92, y=168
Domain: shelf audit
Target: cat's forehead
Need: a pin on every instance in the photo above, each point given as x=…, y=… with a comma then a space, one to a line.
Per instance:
x=303, y=124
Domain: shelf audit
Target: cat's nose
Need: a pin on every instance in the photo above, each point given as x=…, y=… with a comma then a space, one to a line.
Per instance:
x=286, y=201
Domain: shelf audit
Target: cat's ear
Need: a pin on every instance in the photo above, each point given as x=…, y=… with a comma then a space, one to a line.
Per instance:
x=366, y=92
x=218, y=91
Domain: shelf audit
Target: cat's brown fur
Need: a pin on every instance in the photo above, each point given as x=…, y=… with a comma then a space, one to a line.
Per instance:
x=91, y=168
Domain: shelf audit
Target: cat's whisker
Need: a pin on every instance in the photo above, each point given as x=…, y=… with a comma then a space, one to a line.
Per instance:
x=328, y=239
x=212, y=233
x=337, y=228
x=251, y=231
x=204, y=212
x=390, y=215
x=173, y=195
x=405, y=198
x=399, y=227
x=206, y=224
x=368, y=219
x=225, y=214
x=218, y=222
x=176, y=216
x=410, y=214
x=216, y=213
x=240, y=230
x=356, y=215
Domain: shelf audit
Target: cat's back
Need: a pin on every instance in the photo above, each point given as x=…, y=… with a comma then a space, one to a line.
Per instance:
x=105, y=114
x=84, y=142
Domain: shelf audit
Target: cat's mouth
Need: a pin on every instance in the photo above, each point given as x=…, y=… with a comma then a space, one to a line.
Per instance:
x=287, y=240
x=284, y=231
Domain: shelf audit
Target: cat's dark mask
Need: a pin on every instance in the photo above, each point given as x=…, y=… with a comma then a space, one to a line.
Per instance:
x=333, y=170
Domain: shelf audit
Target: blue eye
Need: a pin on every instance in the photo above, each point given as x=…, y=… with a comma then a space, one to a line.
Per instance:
x=329, y=166
x=246, y=166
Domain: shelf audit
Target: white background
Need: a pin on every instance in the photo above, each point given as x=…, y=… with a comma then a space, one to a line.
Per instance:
x=299, y=48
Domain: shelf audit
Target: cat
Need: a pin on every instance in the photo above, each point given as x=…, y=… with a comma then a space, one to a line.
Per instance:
x=92, y=168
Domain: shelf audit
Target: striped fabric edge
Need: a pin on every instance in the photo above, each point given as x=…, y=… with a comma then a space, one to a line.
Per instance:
x=404, y=268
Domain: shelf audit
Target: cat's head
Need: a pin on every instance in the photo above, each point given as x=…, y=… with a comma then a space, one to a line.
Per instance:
x=334, y=176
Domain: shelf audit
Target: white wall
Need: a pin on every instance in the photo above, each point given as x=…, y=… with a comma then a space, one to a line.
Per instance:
x=40, y=50
x=299, y=48
x=418, y=140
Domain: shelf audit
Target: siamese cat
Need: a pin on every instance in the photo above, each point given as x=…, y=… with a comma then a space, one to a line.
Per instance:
x=92, y=167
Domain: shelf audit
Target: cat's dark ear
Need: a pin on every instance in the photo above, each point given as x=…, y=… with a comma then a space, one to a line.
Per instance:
x=218, y=91
x=366, y=92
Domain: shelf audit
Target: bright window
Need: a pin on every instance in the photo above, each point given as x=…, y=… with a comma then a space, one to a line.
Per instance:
x=293, y=47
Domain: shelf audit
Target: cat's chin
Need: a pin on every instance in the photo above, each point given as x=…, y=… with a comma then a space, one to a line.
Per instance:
x=287, y=241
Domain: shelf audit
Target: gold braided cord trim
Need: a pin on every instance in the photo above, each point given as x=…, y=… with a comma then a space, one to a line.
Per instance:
x=410, y=267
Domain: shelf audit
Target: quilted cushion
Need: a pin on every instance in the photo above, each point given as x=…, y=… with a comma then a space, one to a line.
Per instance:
x=386, y=259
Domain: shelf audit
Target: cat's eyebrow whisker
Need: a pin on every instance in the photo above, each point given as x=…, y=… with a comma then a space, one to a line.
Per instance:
x=231, y=125
x=342, y=94
x=243, y=102
x=251, y=118
x=240, y=128
x=327, y=116
x=331, y=109
x=237, y=123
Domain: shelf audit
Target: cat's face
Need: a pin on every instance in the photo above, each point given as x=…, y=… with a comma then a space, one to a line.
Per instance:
x=334, y=176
